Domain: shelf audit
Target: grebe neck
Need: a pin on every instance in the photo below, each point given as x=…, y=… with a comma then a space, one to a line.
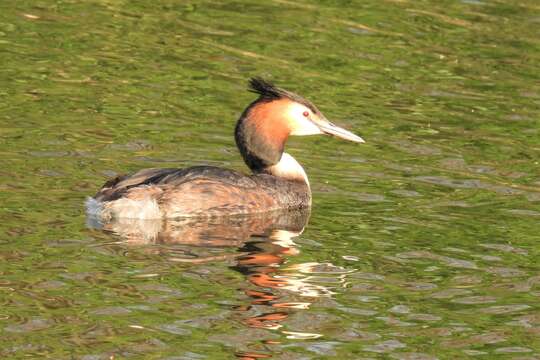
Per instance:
x=288, y=168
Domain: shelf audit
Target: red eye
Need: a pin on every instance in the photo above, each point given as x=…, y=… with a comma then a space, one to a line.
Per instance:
x=306, y=114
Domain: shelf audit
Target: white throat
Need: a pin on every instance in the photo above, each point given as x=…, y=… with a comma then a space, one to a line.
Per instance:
x=288, y=168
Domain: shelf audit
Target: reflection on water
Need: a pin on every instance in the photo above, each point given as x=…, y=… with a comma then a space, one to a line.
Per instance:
x=263, y=242
x=215, y=232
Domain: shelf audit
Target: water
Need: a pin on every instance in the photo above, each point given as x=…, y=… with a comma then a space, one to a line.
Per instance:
x=421, y=243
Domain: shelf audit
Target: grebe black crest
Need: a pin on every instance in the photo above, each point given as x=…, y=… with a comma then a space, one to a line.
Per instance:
x=277, y=180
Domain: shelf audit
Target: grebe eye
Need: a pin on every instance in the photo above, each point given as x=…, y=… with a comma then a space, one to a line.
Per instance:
x=306, y=114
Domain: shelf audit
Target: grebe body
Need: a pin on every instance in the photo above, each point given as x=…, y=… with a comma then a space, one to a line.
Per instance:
x=278, y=181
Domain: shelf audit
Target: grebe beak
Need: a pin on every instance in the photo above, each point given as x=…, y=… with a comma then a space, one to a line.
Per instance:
x=328, y=128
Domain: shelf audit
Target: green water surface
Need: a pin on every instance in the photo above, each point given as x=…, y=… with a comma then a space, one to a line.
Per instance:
x=423, y=243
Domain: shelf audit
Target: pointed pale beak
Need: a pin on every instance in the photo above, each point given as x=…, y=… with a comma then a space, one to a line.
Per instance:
x=328, y=128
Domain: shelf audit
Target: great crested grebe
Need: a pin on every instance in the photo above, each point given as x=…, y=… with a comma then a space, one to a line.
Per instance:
x=278, y=180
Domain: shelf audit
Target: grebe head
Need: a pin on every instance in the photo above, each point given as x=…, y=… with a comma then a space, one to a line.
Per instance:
x=265, y=125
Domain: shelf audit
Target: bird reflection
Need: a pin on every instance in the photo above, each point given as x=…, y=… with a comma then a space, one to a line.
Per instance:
x=264, y=242
x=231, y=231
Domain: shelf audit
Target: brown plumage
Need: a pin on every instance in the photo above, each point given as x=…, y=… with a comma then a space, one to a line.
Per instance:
x=202, y=191
x=278, y=181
